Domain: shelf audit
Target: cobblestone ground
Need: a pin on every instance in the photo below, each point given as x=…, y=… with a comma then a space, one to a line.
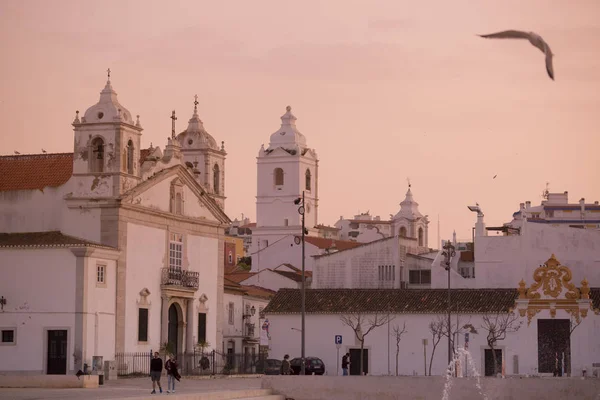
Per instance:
x=132, y=388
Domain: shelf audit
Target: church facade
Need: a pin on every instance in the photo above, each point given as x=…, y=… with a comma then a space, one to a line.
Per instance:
x=112, y=248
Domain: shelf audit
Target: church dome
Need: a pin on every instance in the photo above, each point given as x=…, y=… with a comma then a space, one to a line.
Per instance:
x=195, y=136
x=409, y=208
x=288, y=136
x=108, y=109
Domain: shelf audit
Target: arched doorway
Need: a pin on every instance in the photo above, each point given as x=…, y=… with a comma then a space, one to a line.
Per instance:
x=174, y=328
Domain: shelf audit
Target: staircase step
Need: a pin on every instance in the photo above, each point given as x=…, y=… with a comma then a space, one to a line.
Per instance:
x=266, y=397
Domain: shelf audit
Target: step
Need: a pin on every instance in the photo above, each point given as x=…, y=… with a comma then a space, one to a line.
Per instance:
x=243, y=394
x=266, y=397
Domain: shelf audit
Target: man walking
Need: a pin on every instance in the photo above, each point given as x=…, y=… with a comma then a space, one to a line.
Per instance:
x=156, y=367
x=345, y=364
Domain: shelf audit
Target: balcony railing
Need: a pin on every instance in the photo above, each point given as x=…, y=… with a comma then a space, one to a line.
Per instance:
x=180, y=278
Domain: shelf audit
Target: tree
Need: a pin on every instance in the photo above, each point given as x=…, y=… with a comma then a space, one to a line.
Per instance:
x=397, y=335
x=575, y=321
x=362, y=325
x=497, y=326
x=436, y=327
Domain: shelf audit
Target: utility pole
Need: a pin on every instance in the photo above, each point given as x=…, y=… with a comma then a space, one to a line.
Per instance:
x=448, y=253
x=301, y=211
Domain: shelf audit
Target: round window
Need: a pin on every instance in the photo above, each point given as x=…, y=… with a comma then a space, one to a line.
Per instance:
x=190, y=142
x=100, y=115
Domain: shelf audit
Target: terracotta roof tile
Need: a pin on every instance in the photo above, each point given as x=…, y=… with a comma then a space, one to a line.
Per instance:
x=238, y=277
x=35, y=171
x=295, y=276
x=324, y=243
x=44, y=239
x=258, y=291
x=408, y=301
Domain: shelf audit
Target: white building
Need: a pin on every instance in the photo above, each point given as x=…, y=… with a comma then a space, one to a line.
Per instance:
x=282, y=276
x=286, y=170
x=547, y=275
x=112, y=248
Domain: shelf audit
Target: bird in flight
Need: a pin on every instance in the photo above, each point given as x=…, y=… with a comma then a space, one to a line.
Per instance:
x=16, y=152
x=494, y=176
x=533, y=38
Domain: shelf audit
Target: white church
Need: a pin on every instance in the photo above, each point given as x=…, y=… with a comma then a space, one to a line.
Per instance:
x=112, y=247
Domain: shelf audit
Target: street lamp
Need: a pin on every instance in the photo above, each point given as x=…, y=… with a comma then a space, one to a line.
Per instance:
x=252, y=312
x=448, y=253
x=300, y=201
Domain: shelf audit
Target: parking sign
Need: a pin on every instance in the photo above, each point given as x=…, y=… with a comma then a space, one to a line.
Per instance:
x=338, y=339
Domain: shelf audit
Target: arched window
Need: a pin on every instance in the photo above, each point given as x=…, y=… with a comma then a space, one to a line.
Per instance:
x=420, y=236
x=178, y=204
x=278, y=176
x=402, y=231
x=130, y=157
x=96, y=159
x=216, y=179
x=307, y=185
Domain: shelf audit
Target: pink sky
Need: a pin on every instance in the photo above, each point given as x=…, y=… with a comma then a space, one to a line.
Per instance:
x=383, y=90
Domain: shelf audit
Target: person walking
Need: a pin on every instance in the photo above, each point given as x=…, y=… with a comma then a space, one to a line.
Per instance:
x=156, y=367
x=172, y=374
x=345, y=364
x=285, y=365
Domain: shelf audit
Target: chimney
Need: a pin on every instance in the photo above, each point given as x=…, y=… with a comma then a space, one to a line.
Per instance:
x=596, y=202
x=582, y=205
x=527, y=204
x=521, y=206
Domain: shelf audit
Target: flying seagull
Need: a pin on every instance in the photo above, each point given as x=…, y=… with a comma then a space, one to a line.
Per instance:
x=533, y=38
x=494, y=176
x=16, y=152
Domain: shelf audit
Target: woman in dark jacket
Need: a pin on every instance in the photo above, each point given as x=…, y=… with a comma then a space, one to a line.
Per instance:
x=172, y=374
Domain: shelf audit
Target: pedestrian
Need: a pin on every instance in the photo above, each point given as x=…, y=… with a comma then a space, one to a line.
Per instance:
x=172, y=374
x=345, y=364
x=156, y=367
x=286, y=369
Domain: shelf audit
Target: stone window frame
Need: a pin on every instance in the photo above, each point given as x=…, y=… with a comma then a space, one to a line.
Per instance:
x=101, y=266
x=130, y=157
x=231, y=313
x=307, y=180
x=216, y=179
x=14, y=331
x=143, y=302
x=278, y=178
x=92, y=155
x=166, y=260
x=230, y=257
x=175, y=206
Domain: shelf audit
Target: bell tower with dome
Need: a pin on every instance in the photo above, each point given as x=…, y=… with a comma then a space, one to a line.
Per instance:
x=284, y=170
x=200, y=149
x=106, y=159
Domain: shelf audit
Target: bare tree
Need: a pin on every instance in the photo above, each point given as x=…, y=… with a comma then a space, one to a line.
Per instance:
x=362, y=324
x=397, y=335
x=436, y=327
x=497, y=326
x=575, y=321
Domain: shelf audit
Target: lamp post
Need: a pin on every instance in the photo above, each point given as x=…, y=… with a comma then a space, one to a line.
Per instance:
x=301, y=210
x=448, y=253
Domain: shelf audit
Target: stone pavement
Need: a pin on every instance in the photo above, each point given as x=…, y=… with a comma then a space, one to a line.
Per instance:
x=133, y=388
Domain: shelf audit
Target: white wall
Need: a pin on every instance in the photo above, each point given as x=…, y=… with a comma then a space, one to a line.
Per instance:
x=234, y=332
x=31, y=210
x=321, y=329
x=502, y=261
x=271, y=280
x=284, y=251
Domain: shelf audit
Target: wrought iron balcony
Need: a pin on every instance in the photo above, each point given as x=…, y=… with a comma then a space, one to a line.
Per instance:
x=180, y=278
x=249, y=329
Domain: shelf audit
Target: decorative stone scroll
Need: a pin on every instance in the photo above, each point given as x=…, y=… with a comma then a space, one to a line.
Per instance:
x=552, y=290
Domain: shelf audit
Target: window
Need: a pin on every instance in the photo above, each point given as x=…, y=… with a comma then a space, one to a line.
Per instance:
x=130, y=157
x=278, y=177
x=142, y=324
x=201, y=327
x=8, y=336
x=101, y=274
x=96, y=159
x=230, y=257
x=387, y=273
x=402, y=232
x=419, y=277
x=420, y=236
x=216, y=179
x=175, y=251
x=307, y=183
x=231, y=315
x=178, y=204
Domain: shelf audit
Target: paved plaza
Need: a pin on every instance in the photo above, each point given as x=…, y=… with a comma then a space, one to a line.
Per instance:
x=133, y=388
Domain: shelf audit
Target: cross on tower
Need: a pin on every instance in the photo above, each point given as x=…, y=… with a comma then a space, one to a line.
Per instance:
x=174, y=118
x=408, y=180
x=108, y=70
x=195, y=102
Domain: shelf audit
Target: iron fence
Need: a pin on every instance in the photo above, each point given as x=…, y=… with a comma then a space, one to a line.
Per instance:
x=195, y=363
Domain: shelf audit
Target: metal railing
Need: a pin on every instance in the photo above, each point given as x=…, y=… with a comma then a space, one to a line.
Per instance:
x=180, y=277
x=196, y=363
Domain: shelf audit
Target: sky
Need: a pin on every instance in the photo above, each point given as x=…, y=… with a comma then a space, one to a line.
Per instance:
x=384, y=91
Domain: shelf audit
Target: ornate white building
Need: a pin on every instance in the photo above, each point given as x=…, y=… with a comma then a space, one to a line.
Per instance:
x=112, y=248
x=286, y=169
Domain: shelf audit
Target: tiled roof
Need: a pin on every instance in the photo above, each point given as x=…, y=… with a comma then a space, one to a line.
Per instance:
x=35, y=171
x=250, y=225
x=295, y=276
x=238, y=277
x=324, y=243
x=44, y=240
x=143, y=154
x=400, y=301
x=257, y=291
x=370, y=221
x=327, y=228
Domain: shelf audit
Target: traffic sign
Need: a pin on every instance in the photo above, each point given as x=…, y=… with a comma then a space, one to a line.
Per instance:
x=338, y=339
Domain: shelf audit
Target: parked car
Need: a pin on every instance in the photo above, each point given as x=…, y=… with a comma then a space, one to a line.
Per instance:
x=272, y=367
x=314, y=365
